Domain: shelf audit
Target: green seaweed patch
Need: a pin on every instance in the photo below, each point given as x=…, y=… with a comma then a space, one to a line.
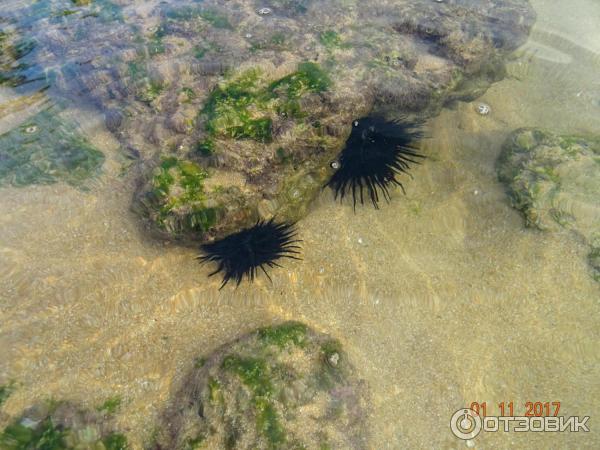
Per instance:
x=330, y=39
x=239, y=109
x=205, y=147
x=268, y=422
x=195, y=442
x=111, y=405
x=115, y=441
x=5, y=391
x=189, y=94
x=255, y=374
x=243, y=108
x=148, y=91
x=81, y=2
x=24, y=434
x=18, y=436
x=308, y=78
x=252, y=371
x=178, y=186
x=45, y=150
x=282, y=335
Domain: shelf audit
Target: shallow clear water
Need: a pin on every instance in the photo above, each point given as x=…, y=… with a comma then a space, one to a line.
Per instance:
x=441, y=298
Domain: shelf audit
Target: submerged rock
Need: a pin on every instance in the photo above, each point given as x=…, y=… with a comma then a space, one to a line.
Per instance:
x=44, y=150
x=555, y=182
x=284, y=387
x=264, y=102
x=61, y=426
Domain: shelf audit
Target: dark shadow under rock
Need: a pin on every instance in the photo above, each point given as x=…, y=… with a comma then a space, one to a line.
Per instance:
x=280, y=387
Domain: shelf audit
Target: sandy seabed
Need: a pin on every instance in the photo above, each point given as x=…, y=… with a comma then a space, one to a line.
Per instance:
x=441, y=298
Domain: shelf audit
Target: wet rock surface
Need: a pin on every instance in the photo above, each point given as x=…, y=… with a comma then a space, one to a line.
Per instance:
x=61, y=426
x=284, y=387
x=555, y=182
x=262, y=95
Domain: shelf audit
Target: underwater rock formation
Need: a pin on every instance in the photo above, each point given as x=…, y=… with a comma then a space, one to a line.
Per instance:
x=262, y=95
x=61, y=426
x=284, y=387
x=555, y=182
x=44, y=150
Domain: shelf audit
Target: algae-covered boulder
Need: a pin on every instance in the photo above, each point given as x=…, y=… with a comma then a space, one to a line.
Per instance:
x=180, y=197
x=61, y=426
x=280, y=387
x=555, y=182
x=262, y=94
x=43, y=150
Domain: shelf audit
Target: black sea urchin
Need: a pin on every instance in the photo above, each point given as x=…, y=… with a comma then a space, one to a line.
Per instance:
x=245, y=252
x=376, y=151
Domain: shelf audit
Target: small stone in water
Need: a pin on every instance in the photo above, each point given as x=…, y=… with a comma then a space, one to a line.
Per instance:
x=334, y=359
x=484, y=109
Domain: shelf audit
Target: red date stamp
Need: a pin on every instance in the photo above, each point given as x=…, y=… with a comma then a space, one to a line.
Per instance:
x=512, y=417
x=512, y=409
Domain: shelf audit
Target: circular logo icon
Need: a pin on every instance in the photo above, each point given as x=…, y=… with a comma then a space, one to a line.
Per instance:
x=465, y=424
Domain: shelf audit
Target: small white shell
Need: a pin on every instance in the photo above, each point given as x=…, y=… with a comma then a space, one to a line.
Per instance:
x=264, y=11
x=483, y=109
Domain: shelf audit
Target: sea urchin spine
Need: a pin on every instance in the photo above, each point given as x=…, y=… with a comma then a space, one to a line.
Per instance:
x=245, y=252
x=376, y=151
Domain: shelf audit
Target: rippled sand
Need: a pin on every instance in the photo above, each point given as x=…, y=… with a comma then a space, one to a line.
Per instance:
x=441, y=298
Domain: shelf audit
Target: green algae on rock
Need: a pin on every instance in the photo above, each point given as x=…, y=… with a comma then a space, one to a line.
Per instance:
x=45, y=150
x=246, y=106
x=293, y=79
x=177, y=201
x=279, y=387
x=555, y=182
x=61, y=426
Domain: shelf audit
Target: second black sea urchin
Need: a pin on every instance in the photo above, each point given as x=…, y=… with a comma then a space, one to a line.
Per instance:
x=375, y=153
x=244, y=253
